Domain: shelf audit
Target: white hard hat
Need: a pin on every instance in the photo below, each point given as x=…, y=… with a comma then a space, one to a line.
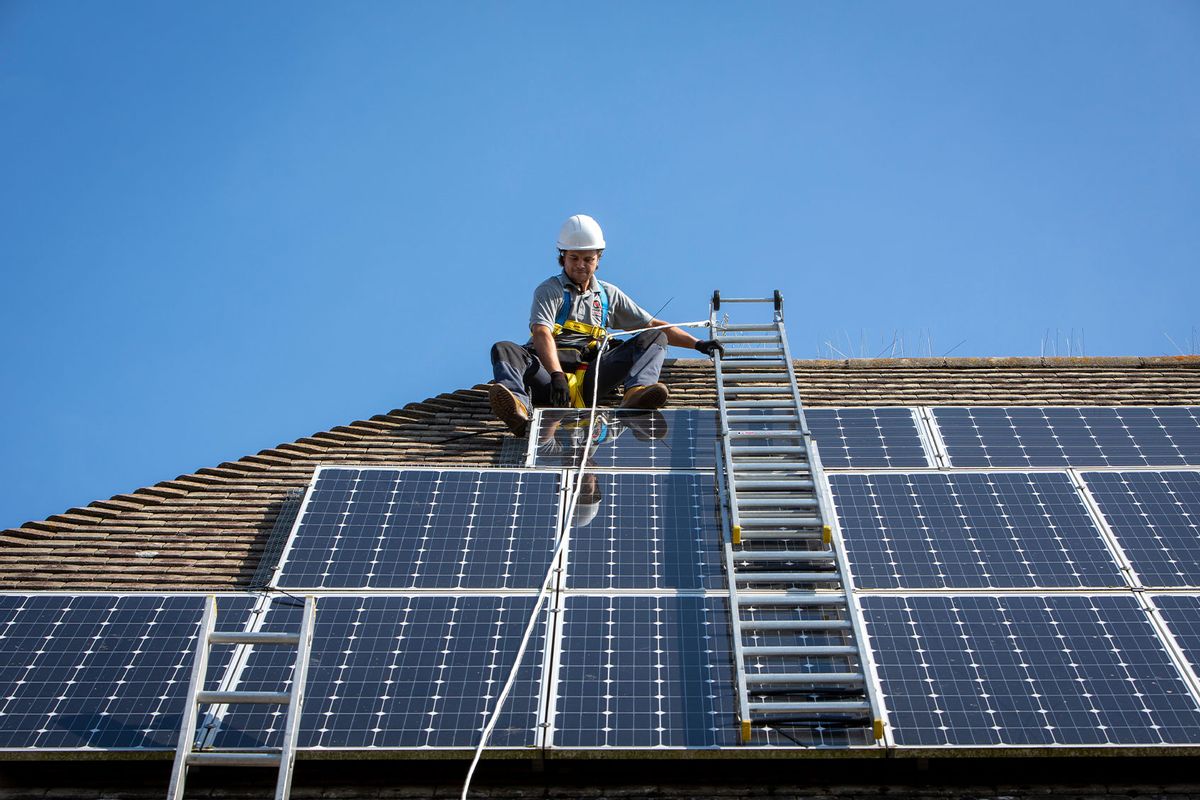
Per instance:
x=580, y=232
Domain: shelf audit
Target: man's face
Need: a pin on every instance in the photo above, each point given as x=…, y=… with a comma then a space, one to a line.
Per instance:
x=580, y=266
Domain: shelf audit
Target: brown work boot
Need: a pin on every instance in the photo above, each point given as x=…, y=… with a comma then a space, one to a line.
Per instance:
x=653, y=396
x=508, y=409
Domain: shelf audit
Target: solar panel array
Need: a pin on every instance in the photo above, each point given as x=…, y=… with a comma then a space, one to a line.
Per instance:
x=1000, y=530
x=1071, y=437
x=1030, y=671
x=1003, y=606
x=105, y=672
x=424, y=529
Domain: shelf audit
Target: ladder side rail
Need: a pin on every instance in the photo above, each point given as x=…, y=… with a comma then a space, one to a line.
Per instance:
x=853, y=610
x=287, y=753
x=726, y=449
x=187, y=728
x=735, y=612
x=731, y=528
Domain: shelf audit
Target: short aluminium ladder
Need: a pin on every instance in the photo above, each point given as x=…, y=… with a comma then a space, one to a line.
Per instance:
x=282, y=758
x=796, y=632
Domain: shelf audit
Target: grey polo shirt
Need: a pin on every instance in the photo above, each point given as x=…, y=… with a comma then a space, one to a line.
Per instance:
x=623, y=313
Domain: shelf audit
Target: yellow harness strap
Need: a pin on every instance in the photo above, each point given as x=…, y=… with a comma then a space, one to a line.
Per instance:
x=591, y=331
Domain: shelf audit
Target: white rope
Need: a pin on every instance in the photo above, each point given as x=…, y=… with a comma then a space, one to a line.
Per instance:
x=572, y=501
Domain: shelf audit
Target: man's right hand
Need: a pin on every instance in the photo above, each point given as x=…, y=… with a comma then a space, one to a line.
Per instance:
x=560, y=392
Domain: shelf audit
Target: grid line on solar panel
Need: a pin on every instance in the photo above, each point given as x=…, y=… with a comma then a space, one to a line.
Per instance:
x=1181, y=613
x=1160, y=436
x=646, y=531
x=364, y=528
x=865, y=438
x=1155, y=517
x=96, y=671
x=985, y=671
x=997, y=530
x=399, y=672
x=626, y=439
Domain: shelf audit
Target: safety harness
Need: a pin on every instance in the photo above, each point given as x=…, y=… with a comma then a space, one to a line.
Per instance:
x=595, y=333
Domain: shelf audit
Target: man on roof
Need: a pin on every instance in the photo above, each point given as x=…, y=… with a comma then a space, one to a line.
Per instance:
x=569, y=317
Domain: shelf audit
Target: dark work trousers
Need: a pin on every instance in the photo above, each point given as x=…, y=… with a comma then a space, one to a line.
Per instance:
x=636, y=362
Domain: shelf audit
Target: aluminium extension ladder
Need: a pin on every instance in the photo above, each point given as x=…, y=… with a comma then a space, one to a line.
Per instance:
x=283, y=758
x=796, y=635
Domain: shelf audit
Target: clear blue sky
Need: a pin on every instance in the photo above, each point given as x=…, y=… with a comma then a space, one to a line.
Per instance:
x=228, y=225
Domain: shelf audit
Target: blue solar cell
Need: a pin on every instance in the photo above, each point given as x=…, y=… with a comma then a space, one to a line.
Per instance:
x=1077, y=437
x=1181, y=612
x=864, y=438
x=645, y=672
x=1024, y=670
x=424, y=529
x=672, y=439
x=1156, y=519
x=97, y=671
x=399, y=672
x=999, y=530
x=646, y=531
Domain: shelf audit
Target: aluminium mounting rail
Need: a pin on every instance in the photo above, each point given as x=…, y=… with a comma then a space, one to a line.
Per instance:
x=283, y=758
x=796, y=632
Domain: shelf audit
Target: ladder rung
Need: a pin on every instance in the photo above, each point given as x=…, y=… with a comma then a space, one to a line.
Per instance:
x=732, y=356
x=792, y=599
x=747, y=299
x=260, y=637
x=729, y=390
x=784, y=555
x=774, y=502
x=779, y=522
x=812, y=650
x=773, y=536
x=766, y=449
x=228, y=759
x=761, y=326
x=773, y=466
x=760, y=362
x=806, y=677
x=739, y=377
x=748, y=339
x=267, y=698
x=794, y=625
x=763, y=404
x=786, y=577
x=814, y=707
x=739, y=435
x=782, y=485
x=762, y=419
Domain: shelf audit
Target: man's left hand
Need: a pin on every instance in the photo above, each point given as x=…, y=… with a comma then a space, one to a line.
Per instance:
x=710, y=348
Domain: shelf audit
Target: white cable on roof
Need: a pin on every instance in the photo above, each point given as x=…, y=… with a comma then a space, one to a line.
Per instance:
x=569, y=514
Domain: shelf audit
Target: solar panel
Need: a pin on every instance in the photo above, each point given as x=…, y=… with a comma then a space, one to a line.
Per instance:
x=999, y=530
x=1181, y=612
x=424, y=529
x=639, y=672
x=646, y=531
x=399, y=672
x=98, y=671
x=1156, y=519
x=865, y=438
x=1026, y=670
x=1161, y=436
x=672, y=439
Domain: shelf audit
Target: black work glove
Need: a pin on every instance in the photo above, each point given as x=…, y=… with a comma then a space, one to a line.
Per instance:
x=560, y=393
x=710, y=348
